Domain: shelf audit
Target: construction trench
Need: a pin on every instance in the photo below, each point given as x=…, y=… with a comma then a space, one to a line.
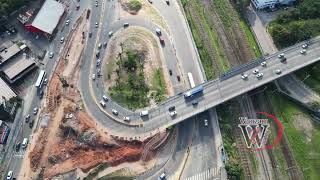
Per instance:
x=67, y=138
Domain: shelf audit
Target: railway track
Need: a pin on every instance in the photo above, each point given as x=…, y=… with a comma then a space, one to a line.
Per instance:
x=292, y=167
x=250, y=112
x=204, y=38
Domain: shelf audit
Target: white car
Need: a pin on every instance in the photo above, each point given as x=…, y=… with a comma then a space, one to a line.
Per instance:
x=98, y=62
x=103, y=104
x=278, y=71
x=158, y=31
x=173, y=113
x=9, y=175
x=281, y=55
x=255, y=71
x=115, y=112
x=162, y=176
x=126, y=118
x=303, y=51
x=259, y=75
x=51, y=54
x=35, y=110
x=67, y=22
x=105, y=98
x=206, y=123
x=244, y=76
x=93, y=76
x=110, y=33
x=96, y=25
x=305, y=46
x=96, y=3
x=45, y=81
x=99, y=45
x=62, y=40
x=263, y=64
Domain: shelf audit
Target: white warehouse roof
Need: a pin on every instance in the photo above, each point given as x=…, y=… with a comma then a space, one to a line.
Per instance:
x=48, y=17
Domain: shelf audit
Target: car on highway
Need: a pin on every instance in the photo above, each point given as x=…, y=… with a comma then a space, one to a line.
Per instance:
x=96, y=25
x=67, y=22
x=178, y=78
x=51, y=54
x=244, y=76
x=125, y=25
x=105, y=98
x=263, y=64
x=173, y=113
x=205, y=122
x=303, y=51
x=45, y=81
x=41, y=93
x=17, y=146
x=98, y=62
x=126, y=118
x=24, y=143
x=99, y=72
x=162, y=176
x=96, y=4
x=62, y=40
x=105, y=44
x=259, y=75
x=278, y=71
x=158, y=32
x=93, y=76
x=144, y=113
x=195, y=102
x=90, y=34
x=167, y=2
x=35, y=110
x=172, y=108
x=305, y=46
x=31, y=123
x=99, y=45
x=281, y=55
x=97, y=54
x=150, y=1
x=9, y=175
x=115, y=112
x=170, y=72
x=255, y=71
x=27, y=118
x=110, y=33
x=78, y=7
x=103, y=104
x=161, y=40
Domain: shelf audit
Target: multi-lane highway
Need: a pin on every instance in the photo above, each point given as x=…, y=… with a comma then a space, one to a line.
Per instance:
x=215, y=92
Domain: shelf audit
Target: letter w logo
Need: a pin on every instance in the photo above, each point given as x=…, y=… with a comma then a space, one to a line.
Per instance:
x=254, y=133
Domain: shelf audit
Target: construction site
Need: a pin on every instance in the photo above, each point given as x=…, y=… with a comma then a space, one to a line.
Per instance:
x=66, y=138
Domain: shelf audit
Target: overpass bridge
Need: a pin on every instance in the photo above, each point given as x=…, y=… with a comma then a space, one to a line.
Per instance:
x=230, y=85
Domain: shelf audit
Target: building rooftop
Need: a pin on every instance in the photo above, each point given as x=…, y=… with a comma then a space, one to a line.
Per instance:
x=5, y=91
x=8, y=53
x=48, y=16
x=18, y=67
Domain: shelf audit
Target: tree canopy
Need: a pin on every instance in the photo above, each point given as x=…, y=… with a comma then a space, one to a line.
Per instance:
x=298, y=24
x=7, y=6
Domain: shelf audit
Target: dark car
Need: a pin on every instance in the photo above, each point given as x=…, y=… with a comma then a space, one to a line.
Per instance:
x=31, y=123
x=195, y=103
x=172, y=108
x=41, y=94
x=90, y=34
x=27, y=118
x=17, y=147
x=170, y=72
x=178, y=78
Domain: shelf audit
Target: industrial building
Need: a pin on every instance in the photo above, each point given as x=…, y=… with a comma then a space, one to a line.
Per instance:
x=47, y=19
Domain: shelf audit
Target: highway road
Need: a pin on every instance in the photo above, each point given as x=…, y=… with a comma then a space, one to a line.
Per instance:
x=215, y=92
x=21, y=130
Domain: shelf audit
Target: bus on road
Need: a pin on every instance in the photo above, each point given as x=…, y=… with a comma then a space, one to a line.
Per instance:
x=191, y=81
x=193, y=91
x=40, y=79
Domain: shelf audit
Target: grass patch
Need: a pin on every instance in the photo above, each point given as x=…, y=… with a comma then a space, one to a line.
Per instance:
x=251, y=38
x=96, y=170
x=134, y=5
x=130, y=89
x=313, y=81
x=306, y=153
x=158, y=86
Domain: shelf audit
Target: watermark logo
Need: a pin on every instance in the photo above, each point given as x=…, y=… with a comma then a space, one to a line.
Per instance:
x=256, y=131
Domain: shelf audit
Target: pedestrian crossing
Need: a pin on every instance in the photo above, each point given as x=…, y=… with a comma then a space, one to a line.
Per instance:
x=18, y=154
x=211, y=174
